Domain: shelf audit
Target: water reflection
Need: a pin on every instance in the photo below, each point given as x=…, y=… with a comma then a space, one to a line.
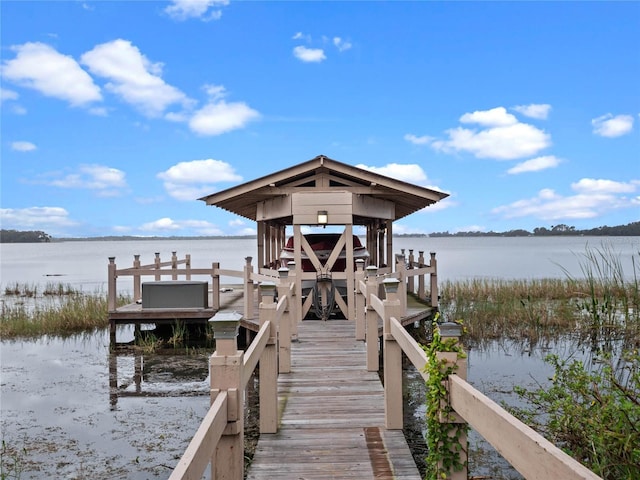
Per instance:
x=157, y=375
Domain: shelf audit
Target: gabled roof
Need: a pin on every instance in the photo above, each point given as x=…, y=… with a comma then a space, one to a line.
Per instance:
x=324, y=174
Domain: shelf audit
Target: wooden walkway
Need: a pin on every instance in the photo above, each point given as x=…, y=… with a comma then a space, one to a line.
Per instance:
x=332, y=415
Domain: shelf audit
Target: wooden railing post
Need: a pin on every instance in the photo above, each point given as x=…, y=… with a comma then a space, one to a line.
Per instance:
x=158, y=266
x=248, y=288
x=360, y=317
x=421, y=292
x=411, y=279
x=293, y=302
x=174, y=266
x=451, y=330
x=371, y=318
x=401, y=270
x=269, y=362
x=284, y=325
x=111, y=284
x=187, y=267
x=137, y=293
x=434, y=280
x=392, y=354
x=227, y=462
x=215, y=285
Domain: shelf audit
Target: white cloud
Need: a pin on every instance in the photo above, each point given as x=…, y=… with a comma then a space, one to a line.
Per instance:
x=167, y=224
x=185, y=9
x=105, y=181
x=301, y=36
x=133, y=77
x=220, y=117
x=341, y=44
x=592, y=185
x=35, y=217
x=593, y=198
x=535, y=165
x=191, y=180
x=163, y=224
x=6, y=94
x=406, y=172
x=496, y=117
x=309, y=54
x=424, y=140
x=503, y=138
x=471, y=228
x=42, y=68
x=23, y=146
x=610, y=126
x=538, y=111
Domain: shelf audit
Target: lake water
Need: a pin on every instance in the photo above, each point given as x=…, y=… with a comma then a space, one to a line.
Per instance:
x=63, y=419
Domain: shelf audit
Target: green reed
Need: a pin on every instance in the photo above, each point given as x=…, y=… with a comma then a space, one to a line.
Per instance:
x=604, y=300
x=70, y=314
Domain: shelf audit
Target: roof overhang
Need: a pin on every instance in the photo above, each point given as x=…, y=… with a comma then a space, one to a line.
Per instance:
x=274, y=193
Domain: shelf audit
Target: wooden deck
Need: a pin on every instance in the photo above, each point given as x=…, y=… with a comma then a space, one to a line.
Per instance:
x=332, y=415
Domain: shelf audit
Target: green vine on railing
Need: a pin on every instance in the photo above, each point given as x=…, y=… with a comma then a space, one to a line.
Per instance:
x=445, y=438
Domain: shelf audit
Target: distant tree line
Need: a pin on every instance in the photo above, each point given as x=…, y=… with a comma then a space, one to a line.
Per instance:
x=15, y=236
x=630, y=230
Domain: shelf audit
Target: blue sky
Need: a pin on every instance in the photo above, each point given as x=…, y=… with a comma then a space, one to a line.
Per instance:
x=117, y=116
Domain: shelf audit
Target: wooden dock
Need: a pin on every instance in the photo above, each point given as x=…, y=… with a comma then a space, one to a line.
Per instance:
x=331, y=414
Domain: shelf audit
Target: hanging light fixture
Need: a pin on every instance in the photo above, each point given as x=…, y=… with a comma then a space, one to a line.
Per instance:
x=323, y=217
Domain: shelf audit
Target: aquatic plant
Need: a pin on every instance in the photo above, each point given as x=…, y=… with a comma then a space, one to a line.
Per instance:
x=593, y=414
x=72, y=314
x=11, y=461
x=445, y=437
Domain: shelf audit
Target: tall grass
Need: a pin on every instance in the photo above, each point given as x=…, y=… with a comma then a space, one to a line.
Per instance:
x=72, y=313
x=604, y=301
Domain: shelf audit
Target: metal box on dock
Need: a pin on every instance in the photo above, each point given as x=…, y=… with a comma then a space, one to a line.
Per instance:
x=175, y=294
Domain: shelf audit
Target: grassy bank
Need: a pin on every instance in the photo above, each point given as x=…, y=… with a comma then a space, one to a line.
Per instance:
x=64, y=311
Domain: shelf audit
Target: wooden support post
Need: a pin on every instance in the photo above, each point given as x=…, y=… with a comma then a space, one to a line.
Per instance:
x=371, y=318
x=215, y=286
x=401, y=270
x=360, y=317
x=187, y=263
x=284, y=325
x=137, y=288
x=434, y=280
x=174, y=266
x=411, y=279
x=158, y=266
x=111, y=284
x=421, y=292
x=248, y=288
x=269, y=362
x=227, y=462
x=294, y=313
x=451, y=330
x=392, y=353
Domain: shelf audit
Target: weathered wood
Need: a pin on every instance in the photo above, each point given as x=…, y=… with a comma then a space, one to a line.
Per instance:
x=332, y=414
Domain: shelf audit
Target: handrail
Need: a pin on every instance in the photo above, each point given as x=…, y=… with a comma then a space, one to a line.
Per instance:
x=254, y=352
x=524, y=448
x=410, y=347
x=198, y=454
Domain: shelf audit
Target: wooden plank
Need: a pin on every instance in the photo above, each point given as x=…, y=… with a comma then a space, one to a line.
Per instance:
x=331, y=407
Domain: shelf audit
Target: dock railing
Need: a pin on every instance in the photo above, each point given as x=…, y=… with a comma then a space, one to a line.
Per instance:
x=158, y=269
x=525, y=449
x=219, y=441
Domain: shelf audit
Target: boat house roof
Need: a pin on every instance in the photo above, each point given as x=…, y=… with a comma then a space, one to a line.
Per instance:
x=322, y=174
